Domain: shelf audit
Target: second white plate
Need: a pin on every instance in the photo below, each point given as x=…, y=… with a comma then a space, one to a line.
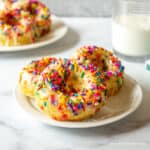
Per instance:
x=119, y=106
x=58, y=30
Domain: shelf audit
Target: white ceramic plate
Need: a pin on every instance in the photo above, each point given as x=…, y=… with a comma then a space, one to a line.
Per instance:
x=119, y=106
x=58, y=30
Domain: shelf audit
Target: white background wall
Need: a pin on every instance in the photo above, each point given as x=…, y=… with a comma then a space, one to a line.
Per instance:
x=86, y=8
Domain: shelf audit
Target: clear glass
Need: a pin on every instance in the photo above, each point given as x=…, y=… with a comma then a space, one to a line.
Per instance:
x=131, y=27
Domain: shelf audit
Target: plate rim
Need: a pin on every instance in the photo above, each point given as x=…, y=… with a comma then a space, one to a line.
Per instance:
x=37, y=44
x=70, y=124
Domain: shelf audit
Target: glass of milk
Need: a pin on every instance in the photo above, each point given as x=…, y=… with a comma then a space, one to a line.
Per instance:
x=131, y=27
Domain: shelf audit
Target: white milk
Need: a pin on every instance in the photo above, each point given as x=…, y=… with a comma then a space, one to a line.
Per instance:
x=131, y=35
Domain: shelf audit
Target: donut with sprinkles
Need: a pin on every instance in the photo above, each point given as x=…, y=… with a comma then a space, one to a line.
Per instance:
x=67, y=91
x=23, y=22
x=76, y=88
x=39, y=12
x=29, y=75
x=15, y=28
x=110, y=66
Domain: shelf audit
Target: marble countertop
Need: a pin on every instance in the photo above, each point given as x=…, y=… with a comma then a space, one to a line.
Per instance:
x=19, y=131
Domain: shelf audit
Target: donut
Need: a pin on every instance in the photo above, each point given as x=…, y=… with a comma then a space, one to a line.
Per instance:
x=110, y=66
x=67, y=91
x=39, y=12
x=29, y=75
x=23, y=22
x=15, y=28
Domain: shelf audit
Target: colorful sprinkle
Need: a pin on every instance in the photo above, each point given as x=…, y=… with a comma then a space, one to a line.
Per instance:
x=45, y=104
x=82, y=74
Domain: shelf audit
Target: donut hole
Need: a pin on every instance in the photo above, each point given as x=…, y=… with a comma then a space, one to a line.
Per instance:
x=99, y=60
x=100, y=63
x=104, y=65
x=75, y=83
x=72, y=84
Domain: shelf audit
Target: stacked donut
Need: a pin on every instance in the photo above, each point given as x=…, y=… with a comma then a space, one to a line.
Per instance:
x=23, y=22
x=76, y=88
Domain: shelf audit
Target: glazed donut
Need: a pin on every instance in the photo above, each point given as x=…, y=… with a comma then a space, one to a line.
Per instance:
x=68, y=91
x=110, y=66
x=29, y=75
x=15, y=28
x=23, y=22
x=39, y=12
